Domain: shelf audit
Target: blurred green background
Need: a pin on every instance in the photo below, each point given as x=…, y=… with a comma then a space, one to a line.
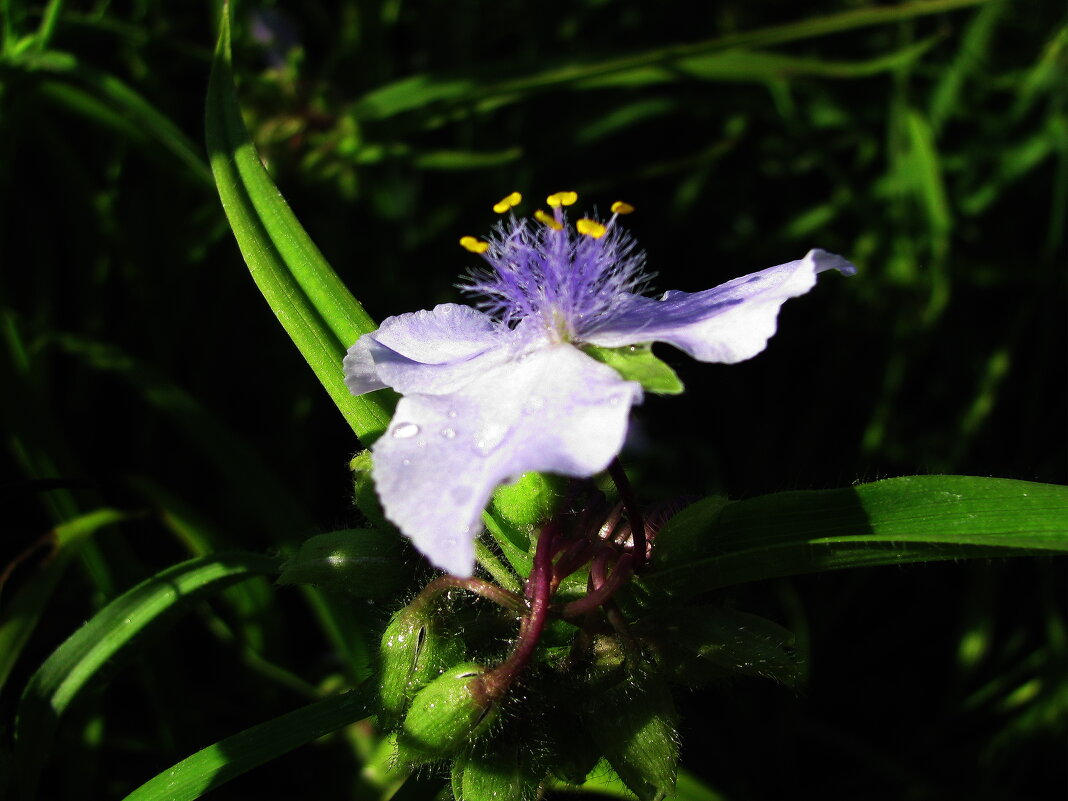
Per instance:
x=927, y=142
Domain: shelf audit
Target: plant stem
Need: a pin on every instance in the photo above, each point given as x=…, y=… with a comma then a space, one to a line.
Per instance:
x=634, y=512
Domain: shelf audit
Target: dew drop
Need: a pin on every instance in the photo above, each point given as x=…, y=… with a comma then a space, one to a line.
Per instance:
x=452, y=414
x=448, y=433
x=405, y=431
x=406, y=462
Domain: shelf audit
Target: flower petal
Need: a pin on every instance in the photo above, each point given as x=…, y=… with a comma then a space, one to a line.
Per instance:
x=556, y=410
x=435, y=351
x=729, y=323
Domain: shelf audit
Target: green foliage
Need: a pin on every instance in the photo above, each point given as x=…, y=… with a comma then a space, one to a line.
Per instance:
x=637, y=363
x=895, y=521
x=144, y=382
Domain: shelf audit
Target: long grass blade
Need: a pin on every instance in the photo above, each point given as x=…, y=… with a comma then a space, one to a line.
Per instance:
x=108, y=638
x=217, y=764
x=320, y=315
x=891, y=522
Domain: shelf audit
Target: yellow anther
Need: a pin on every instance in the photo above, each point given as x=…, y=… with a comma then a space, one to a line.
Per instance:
x=474, y=245
x=561, y=198
x=505, y=203
x=547, y=219
x=590, y=228
x=619, y=207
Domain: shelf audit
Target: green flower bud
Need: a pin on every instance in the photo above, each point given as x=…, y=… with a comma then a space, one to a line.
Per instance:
x=448, y=713
x=363, y=489
x=530, y=501
x=415, y=649
x=365, y=562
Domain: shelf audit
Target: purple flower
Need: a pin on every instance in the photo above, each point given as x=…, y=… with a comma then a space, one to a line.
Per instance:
x=494, y=393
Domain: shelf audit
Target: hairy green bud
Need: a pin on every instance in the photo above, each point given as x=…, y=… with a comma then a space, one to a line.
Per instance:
x=448, y=713
x=415, y=649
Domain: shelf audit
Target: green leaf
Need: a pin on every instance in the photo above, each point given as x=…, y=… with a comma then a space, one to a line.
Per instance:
x=106, y=640
x=703, y=644
x=633, y=724
x=895, y=521
x=25, y=609
x=104, y=98
x=227, y=759
x=488, y=90
x=365, y=562
x=637, y=363
x=320, y=315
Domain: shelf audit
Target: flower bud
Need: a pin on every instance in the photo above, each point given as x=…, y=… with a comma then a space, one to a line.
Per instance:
x=365, y=562
x=447, y=713
x=531, y=500
x=415, y=648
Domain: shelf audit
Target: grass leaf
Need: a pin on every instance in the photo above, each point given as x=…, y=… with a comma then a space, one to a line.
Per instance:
x=895, y=521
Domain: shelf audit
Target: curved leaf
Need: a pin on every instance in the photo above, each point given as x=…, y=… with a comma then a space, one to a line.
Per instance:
x=104, y=641
x=320, y=315
x=895, y=521
x=219, y=763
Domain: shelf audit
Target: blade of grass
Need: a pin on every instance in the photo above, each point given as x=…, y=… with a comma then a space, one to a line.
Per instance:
x=22, y=614
x=217, y=764
x=121, y=99
x=423, y=90
x=890, y=522
x=107, y=639
x=320, y=315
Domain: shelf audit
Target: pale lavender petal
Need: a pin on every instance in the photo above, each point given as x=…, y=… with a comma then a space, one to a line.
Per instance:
x=729, y=323
x=435, y=351
x=556, y=410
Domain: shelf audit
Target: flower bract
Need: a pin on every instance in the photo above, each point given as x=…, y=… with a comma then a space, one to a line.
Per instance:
x=492, y=392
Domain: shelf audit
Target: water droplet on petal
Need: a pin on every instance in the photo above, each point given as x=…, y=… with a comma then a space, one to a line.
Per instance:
x=448, y=433
x=405, y=431
x=452, y=414
x=491, y=437
x=533, y=404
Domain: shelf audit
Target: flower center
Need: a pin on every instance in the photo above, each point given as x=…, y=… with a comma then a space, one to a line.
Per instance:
x=568, y=277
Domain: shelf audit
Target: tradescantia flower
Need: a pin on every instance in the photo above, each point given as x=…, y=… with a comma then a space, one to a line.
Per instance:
x=512, y=387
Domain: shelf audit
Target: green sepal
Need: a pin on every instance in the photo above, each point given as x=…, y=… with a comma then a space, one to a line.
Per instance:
x=415, y=648
x=365, y=562
x=633, y=724
x=705, y=644
x=446, y=715
x=363, y=489
x=503, y=769
x=637, y=363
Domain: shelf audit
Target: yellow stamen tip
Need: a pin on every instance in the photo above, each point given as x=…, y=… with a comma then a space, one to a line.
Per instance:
x=619, y=207
x=561, y=199
x=547, y=219
x=590, y=228
x=473, y=245
x=505, y=203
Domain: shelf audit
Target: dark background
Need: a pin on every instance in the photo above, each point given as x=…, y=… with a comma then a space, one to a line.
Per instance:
x=133, y=336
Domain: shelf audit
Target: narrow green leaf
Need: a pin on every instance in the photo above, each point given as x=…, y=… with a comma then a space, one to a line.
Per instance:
x=420, y=91
x=227, y=759
x=320, y=315
x=105, y=641
x=25, y=609
x=117, y=104
x=895, y=521
x=637, y=363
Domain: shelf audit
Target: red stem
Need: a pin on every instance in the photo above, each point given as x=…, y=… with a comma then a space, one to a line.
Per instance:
x=634, y=512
